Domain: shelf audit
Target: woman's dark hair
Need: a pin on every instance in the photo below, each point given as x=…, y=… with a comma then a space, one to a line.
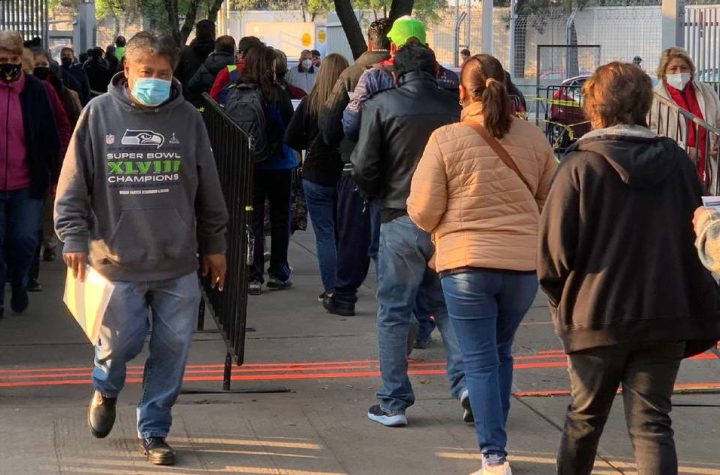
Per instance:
x=618, y=94
x=246, y=43
x=483, y=78
x=259, y=69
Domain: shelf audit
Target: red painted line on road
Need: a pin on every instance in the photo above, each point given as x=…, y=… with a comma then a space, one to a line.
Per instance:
x=308, y=371
x=289, y=371
x=256, y=367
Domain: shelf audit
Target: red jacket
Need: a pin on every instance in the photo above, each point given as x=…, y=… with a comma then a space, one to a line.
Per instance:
x=223, y=79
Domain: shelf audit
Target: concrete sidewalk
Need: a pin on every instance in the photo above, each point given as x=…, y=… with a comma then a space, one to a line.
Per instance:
x=328, y=365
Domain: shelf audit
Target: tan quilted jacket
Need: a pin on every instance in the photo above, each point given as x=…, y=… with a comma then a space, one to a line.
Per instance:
x=479, y=211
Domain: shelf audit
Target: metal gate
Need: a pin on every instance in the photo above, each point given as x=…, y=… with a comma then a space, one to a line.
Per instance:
x=702, y=40
x=236, y=168
x=28, y=17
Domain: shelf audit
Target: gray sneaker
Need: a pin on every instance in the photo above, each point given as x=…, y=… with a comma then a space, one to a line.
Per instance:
x=255, y=287
x=388, y=419
x=276, y=284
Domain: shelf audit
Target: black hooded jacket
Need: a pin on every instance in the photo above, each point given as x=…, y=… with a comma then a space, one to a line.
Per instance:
x=191, y=58
x=203, y=79
x=616, y=255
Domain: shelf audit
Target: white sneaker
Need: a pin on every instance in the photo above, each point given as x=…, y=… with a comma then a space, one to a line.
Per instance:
x=502, y=469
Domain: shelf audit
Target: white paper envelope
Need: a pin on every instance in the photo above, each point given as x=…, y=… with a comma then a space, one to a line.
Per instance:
x=88, y=301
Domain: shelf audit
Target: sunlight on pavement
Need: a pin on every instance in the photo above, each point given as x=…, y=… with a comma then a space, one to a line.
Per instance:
x=606, y=469
x=227, y=469
x=252, y=443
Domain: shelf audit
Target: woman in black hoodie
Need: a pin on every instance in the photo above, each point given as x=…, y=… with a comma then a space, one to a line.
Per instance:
x=628, y=294
x=321, y=169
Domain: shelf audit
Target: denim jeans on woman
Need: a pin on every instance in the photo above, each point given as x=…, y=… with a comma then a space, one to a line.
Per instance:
x=173, y=305
x=486, y=308
x=322, y=207
x=20, y=225
x=402, y=273
x=647, y=372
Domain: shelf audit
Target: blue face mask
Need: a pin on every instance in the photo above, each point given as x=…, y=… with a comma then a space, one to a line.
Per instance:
x=151, y=92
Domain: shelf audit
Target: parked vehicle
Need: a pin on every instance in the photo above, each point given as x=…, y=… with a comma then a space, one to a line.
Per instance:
x=566, y=120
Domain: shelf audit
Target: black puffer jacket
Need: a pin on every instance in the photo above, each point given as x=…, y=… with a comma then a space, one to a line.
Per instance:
x=395, y=128
x=203, y=79
x=191, y=58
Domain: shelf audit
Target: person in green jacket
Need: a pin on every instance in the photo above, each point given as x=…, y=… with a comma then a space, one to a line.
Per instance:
x=120, y=43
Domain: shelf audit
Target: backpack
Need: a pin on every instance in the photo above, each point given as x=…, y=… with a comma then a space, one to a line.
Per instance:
x=247, y=107
x=234, y=74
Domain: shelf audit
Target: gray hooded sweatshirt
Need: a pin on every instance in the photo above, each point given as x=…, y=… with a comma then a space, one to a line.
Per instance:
x=139, y=188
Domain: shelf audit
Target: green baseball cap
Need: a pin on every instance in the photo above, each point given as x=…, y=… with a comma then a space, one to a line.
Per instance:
x=407, y=27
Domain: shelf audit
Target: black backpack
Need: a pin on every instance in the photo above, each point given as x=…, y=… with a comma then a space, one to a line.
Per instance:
x=247, y=107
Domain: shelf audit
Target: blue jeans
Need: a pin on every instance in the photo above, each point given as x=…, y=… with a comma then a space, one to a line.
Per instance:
x=322, y=205
x=20, y=226
x=403, y=273
x=173, y=305
x=486, y=308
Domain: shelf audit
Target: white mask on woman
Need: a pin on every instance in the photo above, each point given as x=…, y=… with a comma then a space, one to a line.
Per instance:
x=307, y=63
x=678, y=81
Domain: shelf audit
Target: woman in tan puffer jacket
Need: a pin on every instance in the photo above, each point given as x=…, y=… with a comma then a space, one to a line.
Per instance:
x=484, y=219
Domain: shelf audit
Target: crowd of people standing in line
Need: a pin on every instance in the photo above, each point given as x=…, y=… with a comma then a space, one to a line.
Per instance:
x=460, y=203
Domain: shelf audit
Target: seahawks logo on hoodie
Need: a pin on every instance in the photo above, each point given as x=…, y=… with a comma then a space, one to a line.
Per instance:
x=143, y=137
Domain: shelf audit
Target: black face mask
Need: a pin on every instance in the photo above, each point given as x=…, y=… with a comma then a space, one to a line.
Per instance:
x=9, y=72
x=67, y=62
x=41, y=72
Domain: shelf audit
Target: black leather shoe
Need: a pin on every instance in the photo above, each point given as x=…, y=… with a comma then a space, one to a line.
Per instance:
x=19, y=300
x=158, y=452
x=101, y=415
x=338, y=308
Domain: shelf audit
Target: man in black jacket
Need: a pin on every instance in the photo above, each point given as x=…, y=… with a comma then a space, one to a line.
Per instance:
x=97, y=71
x=203, y=79
x=195, y=54
x=353, y=215
x=395, y=128
x=73, y=75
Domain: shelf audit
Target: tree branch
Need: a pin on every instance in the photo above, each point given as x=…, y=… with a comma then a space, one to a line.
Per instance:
x=351, y=26
x=189, y=23
x=214, y=9
x=400, y=8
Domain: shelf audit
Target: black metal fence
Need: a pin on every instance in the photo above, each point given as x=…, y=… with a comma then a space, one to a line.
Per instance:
x=29, y=17
x=700, y=139
x=236, y=168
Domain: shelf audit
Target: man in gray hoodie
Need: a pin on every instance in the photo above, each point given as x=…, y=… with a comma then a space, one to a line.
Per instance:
x=139, y=197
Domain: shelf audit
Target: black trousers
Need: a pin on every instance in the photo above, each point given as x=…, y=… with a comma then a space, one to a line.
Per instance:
x=353, y=230
x=647, y=373
x=275, y=186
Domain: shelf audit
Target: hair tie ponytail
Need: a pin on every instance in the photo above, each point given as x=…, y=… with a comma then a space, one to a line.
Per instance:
x=489, y=82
